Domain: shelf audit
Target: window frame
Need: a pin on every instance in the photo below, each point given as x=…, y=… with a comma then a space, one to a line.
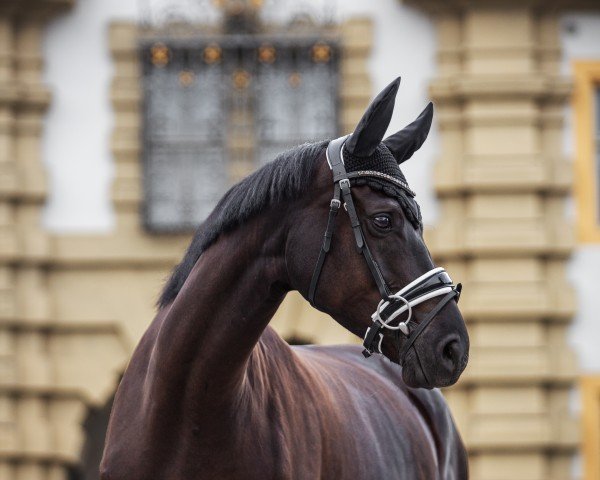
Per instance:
x=590, y=425
x=587, y=190
x=250, y=42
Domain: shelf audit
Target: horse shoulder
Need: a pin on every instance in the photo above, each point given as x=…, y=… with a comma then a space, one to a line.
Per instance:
x=365, y=418
x=386, y=413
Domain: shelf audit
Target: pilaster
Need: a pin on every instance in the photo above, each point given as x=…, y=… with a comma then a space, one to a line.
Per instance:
x=502, y=180
x=50, y=371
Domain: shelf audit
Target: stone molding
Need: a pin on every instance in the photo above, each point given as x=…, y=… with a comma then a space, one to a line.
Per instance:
x=33, y=9
x=553, y=7
x=499, y=99
x=52, y=369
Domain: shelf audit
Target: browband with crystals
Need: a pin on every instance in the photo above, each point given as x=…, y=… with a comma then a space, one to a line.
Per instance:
x=366, y=173
x=382, y=176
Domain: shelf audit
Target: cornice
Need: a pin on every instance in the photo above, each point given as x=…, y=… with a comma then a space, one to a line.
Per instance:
x=458, y=87
x=20, y=95
x=441, y=7
x=34, y=9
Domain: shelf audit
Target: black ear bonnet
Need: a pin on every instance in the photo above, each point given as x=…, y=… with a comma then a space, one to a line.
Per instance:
x=381, y=161
x=377, y=161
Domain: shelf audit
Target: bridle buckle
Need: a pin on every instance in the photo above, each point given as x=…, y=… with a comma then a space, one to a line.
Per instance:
x=370, y=342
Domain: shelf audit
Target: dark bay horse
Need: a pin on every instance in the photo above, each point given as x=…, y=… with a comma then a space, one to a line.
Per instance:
x=212, y=391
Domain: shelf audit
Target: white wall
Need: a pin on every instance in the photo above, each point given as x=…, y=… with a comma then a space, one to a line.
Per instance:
x=78, y=126
x=580, y=37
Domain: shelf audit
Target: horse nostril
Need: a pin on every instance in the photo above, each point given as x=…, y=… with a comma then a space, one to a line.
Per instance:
x=449, y=350
x=452, y=354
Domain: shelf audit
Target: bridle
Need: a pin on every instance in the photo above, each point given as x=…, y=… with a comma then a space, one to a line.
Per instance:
x=431, y=284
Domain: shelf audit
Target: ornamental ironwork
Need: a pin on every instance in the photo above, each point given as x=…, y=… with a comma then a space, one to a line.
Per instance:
x=216, y=104
x=234, y=16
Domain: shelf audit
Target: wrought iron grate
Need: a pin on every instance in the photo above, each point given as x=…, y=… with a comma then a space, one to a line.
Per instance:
x=215, y=106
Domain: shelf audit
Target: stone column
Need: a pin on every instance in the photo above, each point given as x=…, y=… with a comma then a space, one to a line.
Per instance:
x=502, y=181
x=24, y=431
x=44, y=393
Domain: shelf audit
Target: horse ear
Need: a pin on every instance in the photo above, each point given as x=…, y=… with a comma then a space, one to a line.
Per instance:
x=372, y=126
x=408, y=140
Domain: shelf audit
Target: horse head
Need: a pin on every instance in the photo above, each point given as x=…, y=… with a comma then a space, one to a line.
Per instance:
x=372, y=271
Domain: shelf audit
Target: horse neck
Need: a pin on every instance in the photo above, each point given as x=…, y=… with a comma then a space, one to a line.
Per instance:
x=210, y=330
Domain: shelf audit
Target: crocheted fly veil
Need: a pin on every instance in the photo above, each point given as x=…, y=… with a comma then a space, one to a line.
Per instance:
x=375, y=162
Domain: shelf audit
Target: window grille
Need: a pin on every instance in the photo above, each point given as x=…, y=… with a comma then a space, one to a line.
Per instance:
x=213, y=103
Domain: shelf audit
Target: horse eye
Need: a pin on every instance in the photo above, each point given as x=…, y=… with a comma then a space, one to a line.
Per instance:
x=382, y=221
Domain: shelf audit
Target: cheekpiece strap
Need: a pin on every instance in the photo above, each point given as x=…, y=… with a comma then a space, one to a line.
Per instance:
x=336, y=164
x=342, y=192
x=334, y=207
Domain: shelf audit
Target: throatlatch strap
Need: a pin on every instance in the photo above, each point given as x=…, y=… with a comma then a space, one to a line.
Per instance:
x=334, y=207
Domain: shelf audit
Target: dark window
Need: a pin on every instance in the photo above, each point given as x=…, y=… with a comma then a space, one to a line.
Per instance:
x=215, y=106
x=296, y=99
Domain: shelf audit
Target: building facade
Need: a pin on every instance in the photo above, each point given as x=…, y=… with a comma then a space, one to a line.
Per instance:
x=512, y=83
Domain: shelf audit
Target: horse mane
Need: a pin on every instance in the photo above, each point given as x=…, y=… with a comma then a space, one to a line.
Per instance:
x=287, y=177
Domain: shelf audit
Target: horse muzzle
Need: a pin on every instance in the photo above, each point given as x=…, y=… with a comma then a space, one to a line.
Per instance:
x=432, y=284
